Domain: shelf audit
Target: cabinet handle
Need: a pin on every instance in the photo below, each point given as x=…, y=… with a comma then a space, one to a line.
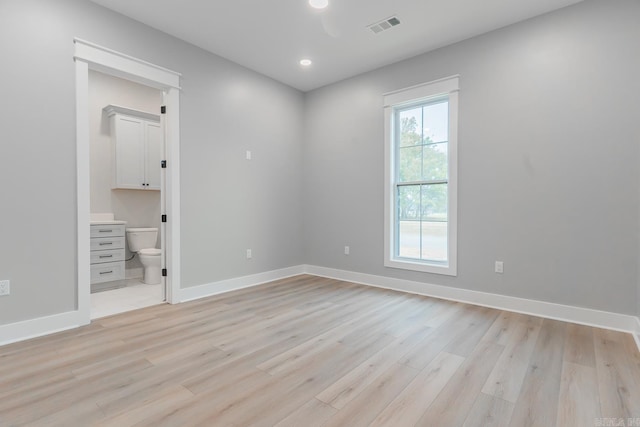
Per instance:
x=106, y=272
x=106, y=256
x=105, y=231
x=106, y=243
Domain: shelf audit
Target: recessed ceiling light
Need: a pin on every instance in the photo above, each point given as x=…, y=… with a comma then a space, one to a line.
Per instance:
x=305, y=62
x=319, y=4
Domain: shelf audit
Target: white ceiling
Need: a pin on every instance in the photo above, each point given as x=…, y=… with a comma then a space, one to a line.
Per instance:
x=271, y=36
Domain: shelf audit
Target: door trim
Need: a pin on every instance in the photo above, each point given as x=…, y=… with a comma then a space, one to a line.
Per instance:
x=89, y=56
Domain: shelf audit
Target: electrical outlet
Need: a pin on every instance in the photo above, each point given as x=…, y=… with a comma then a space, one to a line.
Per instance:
x=5, y=288
x=249, y=255
x=346, y=250
x=499, y=267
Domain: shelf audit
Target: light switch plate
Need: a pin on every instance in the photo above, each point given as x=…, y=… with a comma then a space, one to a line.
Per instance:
x=5, y=288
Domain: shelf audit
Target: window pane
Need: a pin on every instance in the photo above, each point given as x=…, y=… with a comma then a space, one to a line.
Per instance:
x=410, y=164
x=409, y=221
x=434, y=225
x=435, y=161
x=410, y=122
x=434, y=202
x=409, y=202
x=434, y=241
x=409, y=239
x=436, y=122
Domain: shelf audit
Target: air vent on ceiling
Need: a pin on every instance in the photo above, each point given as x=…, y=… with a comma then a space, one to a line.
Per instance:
x=381, y=26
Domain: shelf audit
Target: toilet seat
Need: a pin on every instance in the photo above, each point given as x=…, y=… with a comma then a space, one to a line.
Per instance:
x=150, y=252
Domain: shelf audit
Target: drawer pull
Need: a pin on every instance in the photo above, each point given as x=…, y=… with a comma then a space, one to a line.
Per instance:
x=105, y=231
x=106, y=272
x=106, y=243
x=106, y=256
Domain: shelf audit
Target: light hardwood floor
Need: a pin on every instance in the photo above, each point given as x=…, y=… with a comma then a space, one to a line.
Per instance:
x=308, y=351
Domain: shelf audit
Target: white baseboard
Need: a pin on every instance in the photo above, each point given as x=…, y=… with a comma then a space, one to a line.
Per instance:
x=33, y=328
x=567, y=313
x=201, y=291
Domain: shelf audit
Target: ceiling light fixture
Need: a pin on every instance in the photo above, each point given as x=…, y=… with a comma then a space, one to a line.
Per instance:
x=305, y=62
x=319, y=4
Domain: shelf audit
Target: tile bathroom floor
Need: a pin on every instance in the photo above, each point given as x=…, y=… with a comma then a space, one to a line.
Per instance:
x=133, y=295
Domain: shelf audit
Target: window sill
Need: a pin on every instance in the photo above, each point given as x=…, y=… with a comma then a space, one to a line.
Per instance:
x=405, y=264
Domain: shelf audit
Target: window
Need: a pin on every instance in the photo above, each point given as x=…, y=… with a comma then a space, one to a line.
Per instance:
x=421, y=177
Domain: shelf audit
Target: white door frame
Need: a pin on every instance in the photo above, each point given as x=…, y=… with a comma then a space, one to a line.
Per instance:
x=91, y=56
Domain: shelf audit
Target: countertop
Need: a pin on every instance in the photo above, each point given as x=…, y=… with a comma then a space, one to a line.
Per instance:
x=114, y=222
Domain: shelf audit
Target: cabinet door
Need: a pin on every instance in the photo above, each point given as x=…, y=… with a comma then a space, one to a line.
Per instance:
x=154, y=154
x=129, y=153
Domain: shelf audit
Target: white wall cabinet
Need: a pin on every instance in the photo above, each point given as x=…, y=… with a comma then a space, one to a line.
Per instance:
x=137, y=143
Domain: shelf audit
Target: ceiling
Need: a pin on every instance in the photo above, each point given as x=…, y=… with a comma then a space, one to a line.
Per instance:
x=271, y=36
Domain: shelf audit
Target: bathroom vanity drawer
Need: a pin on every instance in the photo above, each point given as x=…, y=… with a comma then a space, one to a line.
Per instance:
x=107, y=272
x=111, y=255
x=107, y=243
x=104, y=230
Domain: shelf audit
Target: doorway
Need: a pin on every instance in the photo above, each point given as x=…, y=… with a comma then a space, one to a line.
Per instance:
x=92, y=58
x=126, y=148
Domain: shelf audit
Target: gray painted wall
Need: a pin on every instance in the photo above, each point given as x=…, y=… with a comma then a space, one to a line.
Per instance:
x=228, y=204
x=548, y=160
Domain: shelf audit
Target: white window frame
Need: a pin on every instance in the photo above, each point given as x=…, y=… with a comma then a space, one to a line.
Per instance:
x=449, y=87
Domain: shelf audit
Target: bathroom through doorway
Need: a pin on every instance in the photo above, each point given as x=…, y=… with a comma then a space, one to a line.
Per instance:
x=96, y=218
x=126, y=138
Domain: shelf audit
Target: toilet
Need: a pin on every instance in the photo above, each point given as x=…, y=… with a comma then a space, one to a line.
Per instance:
x=143, y=242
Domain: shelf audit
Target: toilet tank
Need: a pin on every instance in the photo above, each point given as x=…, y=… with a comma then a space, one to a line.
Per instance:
x=141, y=238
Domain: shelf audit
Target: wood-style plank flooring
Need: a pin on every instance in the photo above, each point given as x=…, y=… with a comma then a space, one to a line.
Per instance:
x=308, y=351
